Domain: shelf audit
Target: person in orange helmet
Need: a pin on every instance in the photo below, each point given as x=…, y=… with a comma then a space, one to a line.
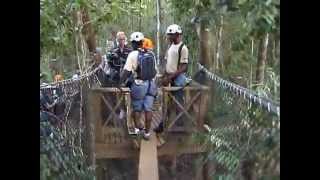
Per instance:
x=58, y=77
x=147, y=44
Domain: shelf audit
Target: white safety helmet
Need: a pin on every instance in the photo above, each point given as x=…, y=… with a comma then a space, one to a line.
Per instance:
x=174, y=28
x=136, y=36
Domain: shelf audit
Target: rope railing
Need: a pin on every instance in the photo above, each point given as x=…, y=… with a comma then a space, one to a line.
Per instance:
x=72, y=83
x=248, y=94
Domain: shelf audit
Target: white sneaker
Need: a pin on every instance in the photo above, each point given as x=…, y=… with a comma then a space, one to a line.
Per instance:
x=134, y=131
x=146, y=136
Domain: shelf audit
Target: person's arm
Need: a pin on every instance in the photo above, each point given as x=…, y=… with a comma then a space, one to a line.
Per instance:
x=181, y=69
x=127, y=69
x=124, y=76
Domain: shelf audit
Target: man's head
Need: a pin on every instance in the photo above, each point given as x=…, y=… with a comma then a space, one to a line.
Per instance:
x=174, y=33
x=136, y=40
x=121, y=38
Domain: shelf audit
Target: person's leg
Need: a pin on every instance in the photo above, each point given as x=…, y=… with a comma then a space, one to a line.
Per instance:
x=148, y=118
x=147, y=106
x=137, y=108
x=136, y=118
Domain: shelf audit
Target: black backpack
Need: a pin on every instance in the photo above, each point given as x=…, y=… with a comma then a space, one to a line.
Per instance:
x=146, y=69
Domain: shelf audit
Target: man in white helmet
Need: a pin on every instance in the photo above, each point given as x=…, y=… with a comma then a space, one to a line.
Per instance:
x=176, y=63
x=176, y=56
x=142, y=66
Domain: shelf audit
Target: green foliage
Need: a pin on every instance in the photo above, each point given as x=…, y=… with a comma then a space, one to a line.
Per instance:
x=60, y=158
x=262, y=15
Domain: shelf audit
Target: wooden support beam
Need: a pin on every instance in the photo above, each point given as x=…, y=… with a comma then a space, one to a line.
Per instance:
x=182, y=108
x=90, y=127
x=203, y=107
x=174, y=88
x=186, y=109
x=111, y=89
x=171, y=88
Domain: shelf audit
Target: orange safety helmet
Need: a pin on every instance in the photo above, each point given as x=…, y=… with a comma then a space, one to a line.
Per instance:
x=58, y=77
x=147, y=44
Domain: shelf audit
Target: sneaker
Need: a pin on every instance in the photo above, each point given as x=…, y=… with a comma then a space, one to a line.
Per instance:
x=146, y=136
x=134, y=131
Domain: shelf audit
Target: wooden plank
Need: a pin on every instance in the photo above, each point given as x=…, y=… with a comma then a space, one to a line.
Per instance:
x=175, y=88
x=111, y=89
x=164, y=107
x=130, y=122
x=171, y=88
x=94, y=115
x=90, y=120
x=148, y=162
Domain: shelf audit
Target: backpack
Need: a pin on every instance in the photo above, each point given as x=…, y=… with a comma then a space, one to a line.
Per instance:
x=146, y=69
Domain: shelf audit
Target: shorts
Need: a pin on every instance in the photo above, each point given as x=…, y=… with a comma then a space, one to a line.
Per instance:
x=144, y=104
x=142, y=99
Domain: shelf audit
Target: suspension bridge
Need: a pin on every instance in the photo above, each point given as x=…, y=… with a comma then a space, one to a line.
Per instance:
x=106, y=134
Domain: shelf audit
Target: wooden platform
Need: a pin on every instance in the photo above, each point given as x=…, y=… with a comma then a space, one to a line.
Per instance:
x=111, y=138
x=107, y=133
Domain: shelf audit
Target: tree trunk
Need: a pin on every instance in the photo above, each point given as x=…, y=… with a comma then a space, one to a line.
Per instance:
x=247, y=170
x=140, y=18
x=204, y=45
x=219, y=60
x=88, y=30
x=158, y=31
x=209, y=168
x=262, y=57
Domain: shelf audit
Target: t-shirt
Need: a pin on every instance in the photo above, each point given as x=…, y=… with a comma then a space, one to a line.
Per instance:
x=132, y=61
x=173, y=55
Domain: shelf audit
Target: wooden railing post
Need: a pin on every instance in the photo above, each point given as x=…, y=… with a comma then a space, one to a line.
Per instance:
x=164, y=107
x=90, y=127
x=203, y=106
x=130, y=122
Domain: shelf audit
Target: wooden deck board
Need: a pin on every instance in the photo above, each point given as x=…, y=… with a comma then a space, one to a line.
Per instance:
x=148, y=160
